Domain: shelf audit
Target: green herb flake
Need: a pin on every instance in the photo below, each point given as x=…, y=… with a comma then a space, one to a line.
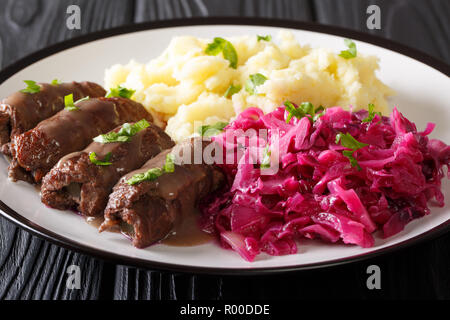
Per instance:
x=350, y=52
x=265, y=162
x=348, y=141
x=215, y=47
x=254, y=81
x=149, y=175
x=305, y=109
x=154, y=173
x=32, y=87
x=226, y=47
x=293, y=111
x=70, y=105
x=105, y=162
x=232, y=89
x=120, y=92
x=371, y=114
x=212, y=130
x=264, y=38
x=124, y=134
x=55, y=82
x=169, y=165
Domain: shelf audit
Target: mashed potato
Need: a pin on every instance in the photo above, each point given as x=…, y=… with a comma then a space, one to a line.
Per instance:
x=184, y=85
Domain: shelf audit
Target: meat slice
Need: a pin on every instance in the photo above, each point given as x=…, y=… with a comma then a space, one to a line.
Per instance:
x=23, y=111
x=39, y=149
x=77, y=183
x=147, y=211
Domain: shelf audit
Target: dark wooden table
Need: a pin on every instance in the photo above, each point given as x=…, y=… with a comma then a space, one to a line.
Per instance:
x=31, y=268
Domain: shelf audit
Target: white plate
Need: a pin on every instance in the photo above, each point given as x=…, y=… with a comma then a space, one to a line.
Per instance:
x=423, y=96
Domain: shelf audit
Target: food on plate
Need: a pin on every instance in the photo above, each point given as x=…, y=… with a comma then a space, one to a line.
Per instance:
x=331, y=174
x=211, y=80
x=147, y=203
x=198, y=135
x=83, y=180
x=36, y=151
x=24, y=109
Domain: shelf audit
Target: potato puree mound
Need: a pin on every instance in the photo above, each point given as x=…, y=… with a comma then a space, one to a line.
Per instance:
x=184, y=85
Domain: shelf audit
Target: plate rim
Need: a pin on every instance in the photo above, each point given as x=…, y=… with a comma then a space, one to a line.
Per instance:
x=70, y=244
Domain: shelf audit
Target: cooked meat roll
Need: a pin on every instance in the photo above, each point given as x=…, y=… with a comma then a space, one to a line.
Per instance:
x=77, y=182
x=147, y=211
x=39, y=149
x=23, y=111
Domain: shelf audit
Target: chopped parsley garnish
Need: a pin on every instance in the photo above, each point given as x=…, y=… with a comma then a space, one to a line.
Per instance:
x=226, y=47
x=232, y=89
x=371, y=114
x=254, y=81
x=305, y=109
x=70, y=105
x=264, y=38
x=105, y=162
x=32, y=87
x=348, y=141
x=350, y=52
x=154, y=173
x=265, y=162
x=124, y=134
x=55, y=82
x=293, y=111
x=149, y=175
x=169, y=166
x=212, y=130
x=120, y=92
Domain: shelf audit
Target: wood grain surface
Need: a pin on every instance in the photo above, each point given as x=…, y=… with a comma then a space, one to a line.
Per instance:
x=31, y=268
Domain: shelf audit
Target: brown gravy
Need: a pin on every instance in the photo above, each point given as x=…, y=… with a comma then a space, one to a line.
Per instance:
x=187, y=233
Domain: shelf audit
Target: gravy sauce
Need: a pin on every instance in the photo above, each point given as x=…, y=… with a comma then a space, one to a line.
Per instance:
x=187, y=232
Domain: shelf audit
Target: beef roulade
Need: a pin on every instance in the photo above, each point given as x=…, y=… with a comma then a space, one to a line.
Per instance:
x=22, y=111
x=83, y=180
x=147, y=203
x=72, y=129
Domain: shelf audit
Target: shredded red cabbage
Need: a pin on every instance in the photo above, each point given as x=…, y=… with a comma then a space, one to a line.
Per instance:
x=317, y=193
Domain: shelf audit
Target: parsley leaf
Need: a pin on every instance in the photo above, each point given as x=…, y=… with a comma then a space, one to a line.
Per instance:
x=226, y=47
x=105, y=162
x=55, y=82
x=371, y=114
x=124, y=134
x=305, y=108
x=255, y=80
x=350, y=52
x=154, y=173
x=215, y=47
x=212, y=130
x=351, y=158
x=293, y=111
x=265, y=162
x=264, y=38
x=348, y=141
x=32, y=87
x=120, y=92
x=232, y=89
x=70, y=105
x=169, y=166
x=149, y=175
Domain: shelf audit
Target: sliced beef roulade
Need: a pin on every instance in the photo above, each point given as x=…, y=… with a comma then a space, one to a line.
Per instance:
x=23, y=110
x=83, y=180
x=72, y=129
x=147, y=203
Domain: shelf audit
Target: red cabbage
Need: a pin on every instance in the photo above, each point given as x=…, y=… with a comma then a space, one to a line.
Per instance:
x=316, y=192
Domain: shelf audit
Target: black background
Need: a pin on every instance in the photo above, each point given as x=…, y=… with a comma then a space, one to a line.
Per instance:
x=31, y=268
